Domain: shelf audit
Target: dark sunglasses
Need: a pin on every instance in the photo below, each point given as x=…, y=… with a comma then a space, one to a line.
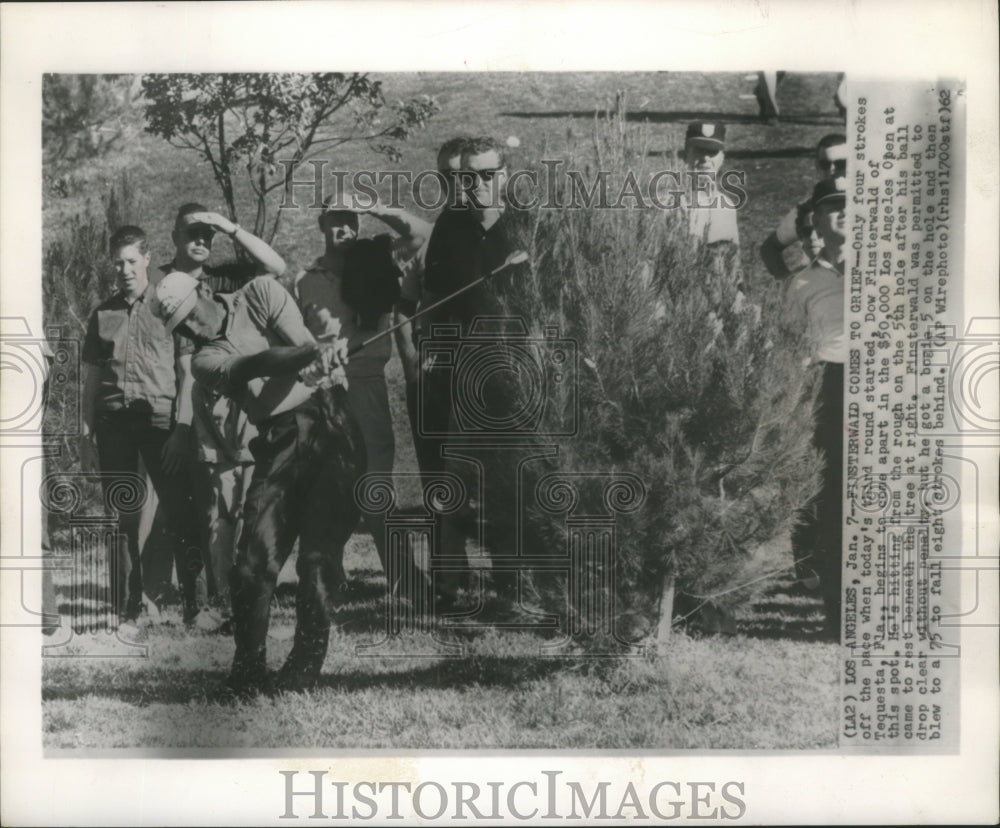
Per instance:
x=839, y=167
x=200, y=231
x=484, y=175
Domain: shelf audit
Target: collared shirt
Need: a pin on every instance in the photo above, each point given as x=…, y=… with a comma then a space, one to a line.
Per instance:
x=320, y=286
x=819, y=291
x=134, y=355
x=222, y=429
x=459, y=252
x=225, y=278
x=259, y=316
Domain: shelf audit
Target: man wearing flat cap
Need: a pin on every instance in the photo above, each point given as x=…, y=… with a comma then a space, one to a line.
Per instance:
x=818, y=292
x=253, y=346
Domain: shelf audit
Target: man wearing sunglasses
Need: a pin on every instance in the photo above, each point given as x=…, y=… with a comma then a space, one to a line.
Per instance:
x=219, y=456
x=831, y=161
x=469, y=241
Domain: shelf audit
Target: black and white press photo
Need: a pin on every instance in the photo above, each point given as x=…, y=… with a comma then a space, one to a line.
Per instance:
x=414, y=433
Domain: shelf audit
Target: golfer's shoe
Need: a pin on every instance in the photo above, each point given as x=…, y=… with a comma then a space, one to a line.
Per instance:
x=128, y=630
x=290, y=680
x=242, y=688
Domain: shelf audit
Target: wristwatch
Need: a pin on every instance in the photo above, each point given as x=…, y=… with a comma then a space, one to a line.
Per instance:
x=232, y=233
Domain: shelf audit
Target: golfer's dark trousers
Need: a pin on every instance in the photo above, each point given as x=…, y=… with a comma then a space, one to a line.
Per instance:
x=819, y=532
x=122, y=436
x=307, y=462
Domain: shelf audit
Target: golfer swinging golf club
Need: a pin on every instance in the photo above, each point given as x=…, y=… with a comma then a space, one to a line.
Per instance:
x=515, y=258
x=253, y=346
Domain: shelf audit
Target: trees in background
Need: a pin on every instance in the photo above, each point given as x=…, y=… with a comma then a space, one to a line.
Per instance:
x=260, y=128
x=83, y=117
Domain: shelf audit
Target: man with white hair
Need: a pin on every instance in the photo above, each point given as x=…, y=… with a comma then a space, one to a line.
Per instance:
x=253, y=346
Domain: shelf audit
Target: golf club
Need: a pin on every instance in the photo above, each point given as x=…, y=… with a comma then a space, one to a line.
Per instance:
x=516, y=257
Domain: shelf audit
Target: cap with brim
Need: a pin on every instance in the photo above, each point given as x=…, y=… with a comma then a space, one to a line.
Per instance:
x=829, y=190
x=176, y=295
x=706, y=134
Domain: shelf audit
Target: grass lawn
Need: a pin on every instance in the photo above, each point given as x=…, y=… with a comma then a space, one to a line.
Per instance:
x=773, y=685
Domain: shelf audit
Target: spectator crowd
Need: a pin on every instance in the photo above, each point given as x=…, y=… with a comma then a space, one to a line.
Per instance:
x=255, y=409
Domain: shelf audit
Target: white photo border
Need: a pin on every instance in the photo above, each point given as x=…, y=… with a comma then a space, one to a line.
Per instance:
x=917, y=40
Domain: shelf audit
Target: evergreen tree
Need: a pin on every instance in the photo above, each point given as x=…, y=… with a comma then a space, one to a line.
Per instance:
x=683, y=380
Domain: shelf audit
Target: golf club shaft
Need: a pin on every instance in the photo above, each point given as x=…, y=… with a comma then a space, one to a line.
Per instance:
x=422, y=311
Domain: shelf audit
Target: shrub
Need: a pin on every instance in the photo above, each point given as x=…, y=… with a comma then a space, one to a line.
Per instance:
x=76, y=276
x=684, y=380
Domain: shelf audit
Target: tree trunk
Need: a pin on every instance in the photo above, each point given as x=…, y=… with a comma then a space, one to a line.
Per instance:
x=666, y=608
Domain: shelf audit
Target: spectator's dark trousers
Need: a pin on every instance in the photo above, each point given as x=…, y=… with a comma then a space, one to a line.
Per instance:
x=122, y=437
